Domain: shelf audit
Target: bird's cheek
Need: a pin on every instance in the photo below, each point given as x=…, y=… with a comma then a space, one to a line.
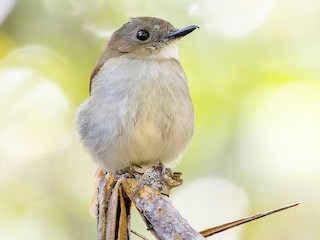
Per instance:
x=124, y=48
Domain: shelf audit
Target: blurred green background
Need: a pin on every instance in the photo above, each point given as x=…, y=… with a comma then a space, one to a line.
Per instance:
x=254, y=75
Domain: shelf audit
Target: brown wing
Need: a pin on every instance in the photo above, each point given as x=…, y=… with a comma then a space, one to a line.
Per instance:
x=108, y=52
x=103, y=57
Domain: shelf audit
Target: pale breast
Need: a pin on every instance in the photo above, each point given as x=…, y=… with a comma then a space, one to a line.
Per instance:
x=139, y=112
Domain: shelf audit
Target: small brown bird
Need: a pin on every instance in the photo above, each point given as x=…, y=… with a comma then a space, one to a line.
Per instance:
x=139, y=111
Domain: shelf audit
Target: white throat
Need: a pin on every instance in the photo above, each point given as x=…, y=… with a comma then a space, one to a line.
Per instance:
x=169, y=52
x=166, y=52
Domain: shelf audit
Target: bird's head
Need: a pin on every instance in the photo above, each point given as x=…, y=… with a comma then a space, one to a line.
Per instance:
x=147, y=37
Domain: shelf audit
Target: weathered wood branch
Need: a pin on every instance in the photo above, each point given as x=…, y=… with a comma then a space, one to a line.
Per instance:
x=149, y=193
x=150, y=197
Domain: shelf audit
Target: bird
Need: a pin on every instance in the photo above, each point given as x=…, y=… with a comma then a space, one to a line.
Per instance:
x=139, y=111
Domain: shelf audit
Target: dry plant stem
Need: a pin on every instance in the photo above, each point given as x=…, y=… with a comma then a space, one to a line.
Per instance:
x=139, y=235
x=149, y=193
x=211, y=231
x=103, y=197
x=162, y=219
x=113, y=210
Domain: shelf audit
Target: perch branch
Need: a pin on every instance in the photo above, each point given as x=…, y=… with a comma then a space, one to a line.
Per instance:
x=149, y=193
x=150, y=197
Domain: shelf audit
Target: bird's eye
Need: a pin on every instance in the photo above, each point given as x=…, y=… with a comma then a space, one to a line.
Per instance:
x=142, y=35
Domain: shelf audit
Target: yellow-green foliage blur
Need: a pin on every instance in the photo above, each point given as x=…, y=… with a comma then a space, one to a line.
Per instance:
x=254, y=75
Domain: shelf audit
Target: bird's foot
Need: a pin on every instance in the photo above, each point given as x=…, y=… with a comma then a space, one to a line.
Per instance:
x=133, y=171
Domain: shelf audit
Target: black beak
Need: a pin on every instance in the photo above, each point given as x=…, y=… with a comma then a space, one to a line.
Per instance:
x=181, y=32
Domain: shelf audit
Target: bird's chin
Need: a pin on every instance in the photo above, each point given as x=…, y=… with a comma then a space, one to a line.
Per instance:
x=167, y=52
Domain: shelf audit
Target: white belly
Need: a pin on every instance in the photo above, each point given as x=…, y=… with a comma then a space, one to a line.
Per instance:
x=140, y=118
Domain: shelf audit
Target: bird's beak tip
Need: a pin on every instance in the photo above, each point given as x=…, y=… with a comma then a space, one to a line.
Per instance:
x=181, y=32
